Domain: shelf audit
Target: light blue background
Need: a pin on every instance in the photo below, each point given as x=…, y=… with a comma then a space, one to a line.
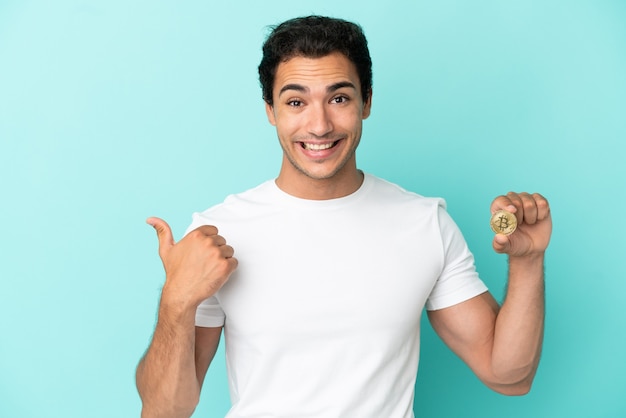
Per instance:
x=113, y=111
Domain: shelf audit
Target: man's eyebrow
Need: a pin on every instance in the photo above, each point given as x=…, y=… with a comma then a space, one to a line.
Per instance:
x=329, y=89
x=340, y=85
x=296, y=87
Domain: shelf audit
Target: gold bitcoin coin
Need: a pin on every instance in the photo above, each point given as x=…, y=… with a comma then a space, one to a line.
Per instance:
x=503, y=222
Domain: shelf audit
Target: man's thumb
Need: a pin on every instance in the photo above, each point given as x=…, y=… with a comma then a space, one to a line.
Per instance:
x=501, y=243
x=164, y=234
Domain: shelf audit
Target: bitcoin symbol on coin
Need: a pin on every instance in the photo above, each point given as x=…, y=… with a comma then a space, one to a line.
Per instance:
x=503, y=222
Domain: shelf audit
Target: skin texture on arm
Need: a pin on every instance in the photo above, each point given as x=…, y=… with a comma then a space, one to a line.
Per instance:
x=173, y=369
x=170, y=374
x=502, y=345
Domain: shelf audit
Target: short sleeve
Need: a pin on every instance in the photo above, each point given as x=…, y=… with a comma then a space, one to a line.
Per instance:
x=459, y=280
x=210, y=313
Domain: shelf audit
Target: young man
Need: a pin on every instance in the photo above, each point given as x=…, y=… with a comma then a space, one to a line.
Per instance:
x=321, y=308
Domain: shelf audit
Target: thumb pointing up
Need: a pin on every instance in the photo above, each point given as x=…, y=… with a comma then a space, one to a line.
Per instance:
x=164, y=234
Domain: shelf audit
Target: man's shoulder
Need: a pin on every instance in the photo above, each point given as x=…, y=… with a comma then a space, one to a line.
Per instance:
x=395, y=194
x=255, y=196
x=236, y=207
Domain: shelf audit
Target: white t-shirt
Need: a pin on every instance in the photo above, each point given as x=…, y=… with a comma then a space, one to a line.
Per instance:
x=322, y=316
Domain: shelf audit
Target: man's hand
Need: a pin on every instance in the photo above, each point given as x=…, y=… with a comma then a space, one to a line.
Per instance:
x=196, y=267
x=534, y=224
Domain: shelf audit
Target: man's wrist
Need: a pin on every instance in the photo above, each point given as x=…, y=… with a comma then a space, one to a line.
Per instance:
x=528, y=268
x=176, y=307
x=535, y=258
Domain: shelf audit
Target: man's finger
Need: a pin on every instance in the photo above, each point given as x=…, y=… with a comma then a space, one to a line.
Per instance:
x=501, y=244
x=207, y=230
x=530, y=208
x=503, y=203
x=227, y=251
x=543, y=207
x=516, y=200
x=164, y=234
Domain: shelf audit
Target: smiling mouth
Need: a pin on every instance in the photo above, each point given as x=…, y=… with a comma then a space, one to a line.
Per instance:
x=317, y=147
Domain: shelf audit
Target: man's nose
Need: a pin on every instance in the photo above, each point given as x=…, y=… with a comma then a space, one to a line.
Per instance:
x=319, y=121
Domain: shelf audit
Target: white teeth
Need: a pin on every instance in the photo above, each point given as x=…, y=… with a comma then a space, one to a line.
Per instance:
x=318, y=147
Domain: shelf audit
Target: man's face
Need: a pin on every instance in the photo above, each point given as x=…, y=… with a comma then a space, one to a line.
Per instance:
x=318, y=112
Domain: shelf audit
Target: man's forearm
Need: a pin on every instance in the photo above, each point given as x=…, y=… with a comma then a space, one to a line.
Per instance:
x=519, y=327
x=166, y=376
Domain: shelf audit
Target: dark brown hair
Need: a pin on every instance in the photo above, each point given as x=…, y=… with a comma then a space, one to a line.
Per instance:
x=315, y=37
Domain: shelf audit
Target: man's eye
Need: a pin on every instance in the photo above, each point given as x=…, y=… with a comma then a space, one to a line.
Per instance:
x=340, y=99
x=294, y=103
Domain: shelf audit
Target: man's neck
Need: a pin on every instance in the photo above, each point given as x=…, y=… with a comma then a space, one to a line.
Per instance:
x=304, y=187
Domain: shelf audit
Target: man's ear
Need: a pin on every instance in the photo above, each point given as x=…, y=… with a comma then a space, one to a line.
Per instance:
x=367, y=105
x=269, y=110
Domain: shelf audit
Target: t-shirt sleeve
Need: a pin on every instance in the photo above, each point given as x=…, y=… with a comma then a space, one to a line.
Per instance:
x=209, y=312
x=459, y=280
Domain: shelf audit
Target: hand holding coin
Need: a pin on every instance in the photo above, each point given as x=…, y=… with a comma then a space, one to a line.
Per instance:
x=522, y=224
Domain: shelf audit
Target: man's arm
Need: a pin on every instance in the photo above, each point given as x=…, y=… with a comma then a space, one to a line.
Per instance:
x=502, y=345
x=170, y=374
